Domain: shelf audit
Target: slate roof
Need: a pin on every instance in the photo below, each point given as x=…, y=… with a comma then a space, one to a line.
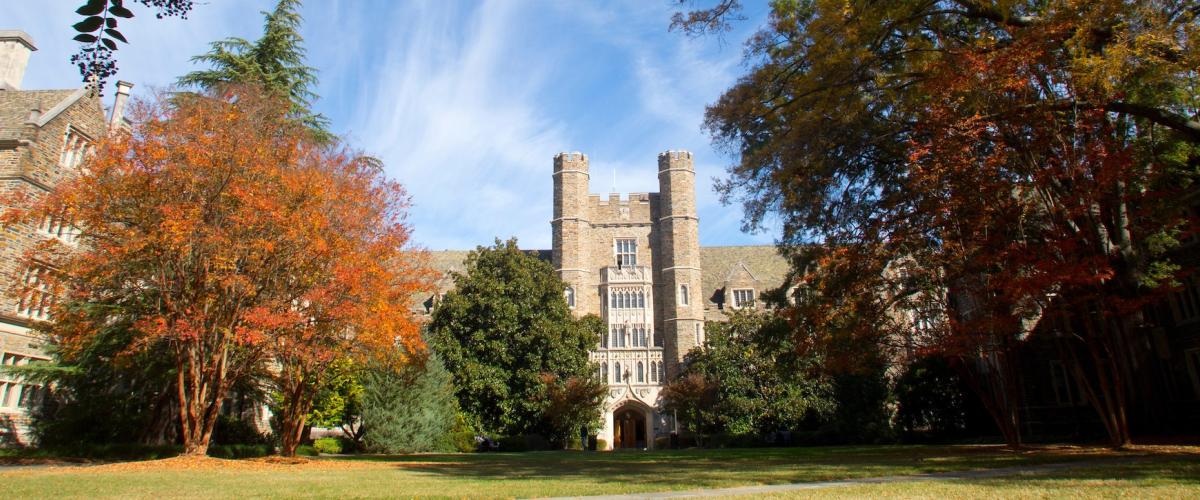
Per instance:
x=716, y=264
x=16, y=104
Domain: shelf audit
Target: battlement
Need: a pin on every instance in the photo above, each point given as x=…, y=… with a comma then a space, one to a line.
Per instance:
x=675, y=155
x=673, y=160
x=575, y=158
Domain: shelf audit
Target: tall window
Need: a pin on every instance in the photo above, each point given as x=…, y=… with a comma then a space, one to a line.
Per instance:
x=743, y=297
x=604, y=371
x=617, y=372
x=641, y=372
x=627, y=299
x=626, y=252
x=699, y=335
x=662, y=374
x=37, y=294
x=75, y=149
x=569, y=294
x=683, y=295
x=59, y=226
x=618, y=335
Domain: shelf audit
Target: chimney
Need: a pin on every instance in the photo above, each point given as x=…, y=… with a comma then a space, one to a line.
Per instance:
x=118, y=110
x=15, y=47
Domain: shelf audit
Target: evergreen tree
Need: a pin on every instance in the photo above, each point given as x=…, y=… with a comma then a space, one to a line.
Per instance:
x=412, y=409
x=502, y=328
x=275, y=61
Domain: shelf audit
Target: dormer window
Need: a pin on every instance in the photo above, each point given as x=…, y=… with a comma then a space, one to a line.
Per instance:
x=743, y=297
x=76, y=146
x=626, y=249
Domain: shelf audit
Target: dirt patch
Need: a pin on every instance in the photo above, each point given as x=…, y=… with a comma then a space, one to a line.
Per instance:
x=191, y=463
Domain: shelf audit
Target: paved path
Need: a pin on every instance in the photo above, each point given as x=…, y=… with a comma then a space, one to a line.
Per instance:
x=936, y=476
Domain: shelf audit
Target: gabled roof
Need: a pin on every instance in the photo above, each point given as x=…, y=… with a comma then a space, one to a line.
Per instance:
x=15, y=106
x=762, y=262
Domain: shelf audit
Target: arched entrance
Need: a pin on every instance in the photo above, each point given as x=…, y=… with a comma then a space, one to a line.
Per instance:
x=629, y=428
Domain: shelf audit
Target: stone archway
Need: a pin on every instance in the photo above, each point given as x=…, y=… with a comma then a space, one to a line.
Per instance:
x=630, y=428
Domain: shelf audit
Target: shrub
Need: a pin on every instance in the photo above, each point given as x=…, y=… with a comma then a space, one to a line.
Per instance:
x=601, y=444
x=233, y=430
x=240, y=450
x=933, y=402
x=328, y=446
x=662, y=442
x=529, y=442
x=306, y=450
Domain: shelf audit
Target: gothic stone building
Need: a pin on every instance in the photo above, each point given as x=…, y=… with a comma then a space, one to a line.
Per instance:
x=44, y=136
x=636, y=262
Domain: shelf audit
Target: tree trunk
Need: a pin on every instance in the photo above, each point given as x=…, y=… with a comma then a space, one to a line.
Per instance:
x=998, y=395
x=298, y=397
x=201, y=386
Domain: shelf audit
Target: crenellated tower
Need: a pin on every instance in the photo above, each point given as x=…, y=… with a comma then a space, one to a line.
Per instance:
x=570, y=228
x=679, y=258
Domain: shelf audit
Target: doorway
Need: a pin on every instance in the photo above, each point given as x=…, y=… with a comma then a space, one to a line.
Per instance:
x=630, y=429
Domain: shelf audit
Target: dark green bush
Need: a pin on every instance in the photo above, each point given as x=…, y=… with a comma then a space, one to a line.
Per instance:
x=662, y=442
x=600, y=444
x=306, y=450
x=109, y=451
x=241, y=450
x=234, y=430
x=529, y=442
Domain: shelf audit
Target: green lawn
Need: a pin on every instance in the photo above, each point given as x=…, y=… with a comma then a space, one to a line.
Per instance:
x=1176, y=471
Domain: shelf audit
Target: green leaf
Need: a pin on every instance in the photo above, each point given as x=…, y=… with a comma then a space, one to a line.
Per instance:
x=111, y=22
x=89, y=25
x=119, y=11
x=116, y=34
x=85, y=38
x=91, y=8
x=109, y=43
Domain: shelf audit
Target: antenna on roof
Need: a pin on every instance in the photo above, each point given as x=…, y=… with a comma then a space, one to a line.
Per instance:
x=614, y=187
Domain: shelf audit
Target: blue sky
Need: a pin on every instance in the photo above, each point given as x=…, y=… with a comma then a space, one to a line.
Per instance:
x=467, y=102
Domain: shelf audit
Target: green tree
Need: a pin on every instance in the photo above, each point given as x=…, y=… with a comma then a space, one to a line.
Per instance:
x=274, y=61
x=338, y=402
x=503, y=326
x=103, y=392
x=409, y=410
x=764, y=383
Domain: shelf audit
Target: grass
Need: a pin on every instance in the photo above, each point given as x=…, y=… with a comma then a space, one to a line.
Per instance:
x=1152, y=479
x=1173, y=471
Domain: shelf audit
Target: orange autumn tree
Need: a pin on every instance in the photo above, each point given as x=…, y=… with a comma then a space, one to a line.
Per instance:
x=220, y=230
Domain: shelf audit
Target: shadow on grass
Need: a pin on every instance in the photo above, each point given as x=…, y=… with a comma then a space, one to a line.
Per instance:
x=717, y=468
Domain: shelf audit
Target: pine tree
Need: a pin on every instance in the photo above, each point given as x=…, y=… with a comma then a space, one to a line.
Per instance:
x=275, y=61
x=408, y=410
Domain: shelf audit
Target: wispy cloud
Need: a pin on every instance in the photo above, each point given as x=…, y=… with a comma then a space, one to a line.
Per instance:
x=467, y=102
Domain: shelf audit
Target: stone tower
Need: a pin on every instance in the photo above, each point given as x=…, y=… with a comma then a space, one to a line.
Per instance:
x=570, y=228
x=682, y=309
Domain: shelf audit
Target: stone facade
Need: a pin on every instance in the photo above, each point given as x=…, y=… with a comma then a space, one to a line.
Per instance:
x=636, y=262
x=44, y=137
